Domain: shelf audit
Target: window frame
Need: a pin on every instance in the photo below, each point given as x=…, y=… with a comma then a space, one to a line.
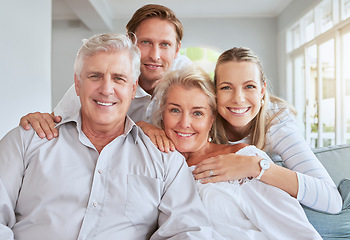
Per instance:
x=340, y=27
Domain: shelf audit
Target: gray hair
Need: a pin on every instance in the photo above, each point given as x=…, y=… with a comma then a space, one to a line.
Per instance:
x=108, y=42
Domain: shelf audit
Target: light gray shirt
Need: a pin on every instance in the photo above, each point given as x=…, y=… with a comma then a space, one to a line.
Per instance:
x=65, y=189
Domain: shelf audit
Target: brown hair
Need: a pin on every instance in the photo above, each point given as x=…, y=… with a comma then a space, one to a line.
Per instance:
x=151, y=11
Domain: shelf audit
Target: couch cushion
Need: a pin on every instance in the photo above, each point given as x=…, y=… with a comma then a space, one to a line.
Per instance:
x=336, y=159
x=333, y=226
x=344, y=189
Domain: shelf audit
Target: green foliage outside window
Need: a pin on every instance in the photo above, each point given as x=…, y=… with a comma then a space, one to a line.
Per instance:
x=204, y=57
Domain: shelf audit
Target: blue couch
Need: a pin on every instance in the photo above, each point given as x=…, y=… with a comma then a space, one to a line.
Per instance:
x=336, y=159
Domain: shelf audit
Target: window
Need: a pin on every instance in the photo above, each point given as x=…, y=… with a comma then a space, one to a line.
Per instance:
x=326, y=15
x=346, y=9
x=326, y=87
x=204, y=57
x=346, y=89
x=309, y=23
x=317, y=51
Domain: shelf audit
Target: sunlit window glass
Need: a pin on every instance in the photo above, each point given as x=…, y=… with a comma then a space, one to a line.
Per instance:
x=296, y=37
x=327, y=104
x=309, y=27
x=346, y=8
x=299, y=89
x=312, y=95
x=204, y=57
x=346, y=72
x=326, y=15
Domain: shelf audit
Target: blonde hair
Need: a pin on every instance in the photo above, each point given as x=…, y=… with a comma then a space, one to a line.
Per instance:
x=154, y=11
x=259, y=125
x=189, y=77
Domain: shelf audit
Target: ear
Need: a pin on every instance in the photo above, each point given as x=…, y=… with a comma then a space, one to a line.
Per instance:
x=213, y=119
x=134, y=87
x=263, y=90
x=76, y=84
x=177, y=50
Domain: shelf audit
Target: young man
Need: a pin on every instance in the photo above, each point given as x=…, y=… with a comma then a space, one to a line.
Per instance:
x=158, y=34
x=102, y=178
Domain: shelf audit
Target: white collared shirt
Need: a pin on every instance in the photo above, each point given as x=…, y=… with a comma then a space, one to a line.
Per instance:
x=64, y=189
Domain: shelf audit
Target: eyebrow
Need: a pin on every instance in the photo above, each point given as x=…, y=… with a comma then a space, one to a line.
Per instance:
x=177, y=105
x=120, y=75
x=113, y=74
x=248, y=81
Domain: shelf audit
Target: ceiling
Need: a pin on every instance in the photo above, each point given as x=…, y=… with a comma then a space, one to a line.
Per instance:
x=101, y=14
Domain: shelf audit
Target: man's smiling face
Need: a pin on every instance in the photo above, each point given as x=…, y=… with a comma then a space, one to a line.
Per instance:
x=156, y=38
x=105, y=89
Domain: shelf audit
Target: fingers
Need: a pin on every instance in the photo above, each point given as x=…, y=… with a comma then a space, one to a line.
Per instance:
x=172, y=146
x=205, y=165
x=210, y=173
x=42, y=123
x=24, y=123
x=56, y=119
x=164, y=143
x=213, y=179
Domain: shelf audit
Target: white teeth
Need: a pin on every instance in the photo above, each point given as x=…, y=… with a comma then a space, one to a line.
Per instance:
x=104, y=104
x=184, y=134
x=238, y=110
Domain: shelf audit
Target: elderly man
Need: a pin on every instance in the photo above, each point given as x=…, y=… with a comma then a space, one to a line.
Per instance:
x=102, y=178
x=158, y=35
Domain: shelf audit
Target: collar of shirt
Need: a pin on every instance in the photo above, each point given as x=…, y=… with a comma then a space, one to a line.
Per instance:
x=129, y=126
x=140, y=93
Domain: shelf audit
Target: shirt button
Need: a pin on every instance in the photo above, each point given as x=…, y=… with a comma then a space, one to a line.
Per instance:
x=95, y=204
x=99, y=171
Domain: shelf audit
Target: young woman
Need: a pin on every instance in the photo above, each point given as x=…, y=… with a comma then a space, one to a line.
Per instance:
x=247, y=114
x=242, y=209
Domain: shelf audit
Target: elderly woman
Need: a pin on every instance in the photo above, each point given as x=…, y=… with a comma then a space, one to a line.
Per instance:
x=241, y=209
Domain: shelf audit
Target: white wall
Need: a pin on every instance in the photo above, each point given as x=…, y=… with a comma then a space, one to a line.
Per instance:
x=259, y=34
x=25, y=60
x=219, y=33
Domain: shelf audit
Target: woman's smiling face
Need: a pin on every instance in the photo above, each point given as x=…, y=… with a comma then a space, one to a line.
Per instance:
x=239, y=92
x=187, y=118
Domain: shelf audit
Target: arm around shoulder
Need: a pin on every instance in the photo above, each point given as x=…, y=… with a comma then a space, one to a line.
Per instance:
x=316, y=189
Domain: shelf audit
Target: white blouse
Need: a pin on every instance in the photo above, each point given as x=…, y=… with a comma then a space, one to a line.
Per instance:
x=251, y=209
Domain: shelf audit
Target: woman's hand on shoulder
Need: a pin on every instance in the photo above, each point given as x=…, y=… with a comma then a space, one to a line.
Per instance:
x=227, y=167
x=44, y=124
x=157, y=136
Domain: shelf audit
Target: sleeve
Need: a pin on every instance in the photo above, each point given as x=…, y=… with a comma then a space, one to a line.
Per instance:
x=264, y=203
x=69, y=104
x=182, y=215
x=316, y=188
x=11, y=174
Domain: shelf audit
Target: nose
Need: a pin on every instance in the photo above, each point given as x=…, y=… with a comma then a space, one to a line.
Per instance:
x=155, y=53
x=238, y=96
x=185, y=121
x=106, y=87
